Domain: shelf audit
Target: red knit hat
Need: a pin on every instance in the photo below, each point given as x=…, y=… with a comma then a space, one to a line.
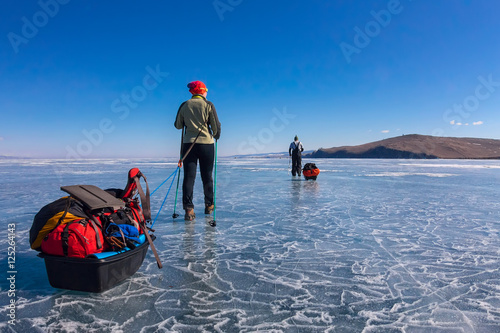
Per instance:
x=197, y=88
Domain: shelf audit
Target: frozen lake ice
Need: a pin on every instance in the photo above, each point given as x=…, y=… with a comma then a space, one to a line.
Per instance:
x=371, y=246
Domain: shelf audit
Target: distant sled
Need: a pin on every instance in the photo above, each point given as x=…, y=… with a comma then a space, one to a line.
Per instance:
x=310, y=171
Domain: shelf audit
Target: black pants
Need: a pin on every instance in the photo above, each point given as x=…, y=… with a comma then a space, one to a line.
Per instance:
x=205, y=154
x=296, y=164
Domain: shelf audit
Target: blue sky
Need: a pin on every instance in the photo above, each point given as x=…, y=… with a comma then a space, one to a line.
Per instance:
x=93, y=79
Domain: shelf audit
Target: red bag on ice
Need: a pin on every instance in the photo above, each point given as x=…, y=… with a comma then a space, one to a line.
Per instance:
x=74, y=239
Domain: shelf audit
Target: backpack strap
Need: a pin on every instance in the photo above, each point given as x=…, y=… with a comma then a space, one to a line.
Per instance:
x=153, y=248
x=97, y=239
x=146, y=205
x=64, y=239
x=132, y=220
x=66, y=209
x=189, y=149
x=65, y=236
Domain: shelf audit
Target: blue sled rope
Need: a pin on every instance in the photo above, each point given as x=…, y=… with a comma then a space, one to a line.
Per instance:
x=156, y=189
x=165, y=199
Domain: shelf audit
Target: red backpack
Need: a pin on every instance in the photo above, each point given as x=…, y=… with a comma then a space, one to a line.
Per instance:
x=75, y=239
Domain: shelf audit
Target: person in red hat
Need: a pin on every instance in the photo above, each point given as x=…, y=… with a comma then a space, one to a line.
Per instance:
x=199, y=121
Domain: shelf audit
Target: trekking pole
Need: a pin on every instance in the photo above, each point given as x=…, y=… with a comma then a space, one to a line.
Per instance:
x=213, y=223
x=289, y=163
x=174, y=215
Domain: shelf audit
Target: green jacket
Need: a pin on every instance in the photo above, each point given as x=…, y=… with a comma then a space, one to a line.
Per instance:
x=198, y=114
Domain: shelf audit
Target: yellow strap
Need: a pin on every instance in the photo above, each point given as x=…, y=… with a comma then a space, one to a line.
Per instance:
x=50, y=225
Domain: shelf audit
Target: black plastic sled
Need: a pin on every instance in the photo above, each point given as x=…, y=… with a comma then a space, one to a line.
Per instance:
x=94, y=274
x=93, y=266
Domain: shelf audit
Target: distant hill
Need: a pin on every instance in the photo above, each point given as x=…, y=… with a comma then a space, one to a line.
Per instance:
x=417, y=146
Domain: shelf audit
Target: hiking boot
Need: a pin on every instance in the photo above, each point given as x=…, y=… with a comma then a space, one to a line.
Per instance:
x=189, y=214
x=209, y=209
